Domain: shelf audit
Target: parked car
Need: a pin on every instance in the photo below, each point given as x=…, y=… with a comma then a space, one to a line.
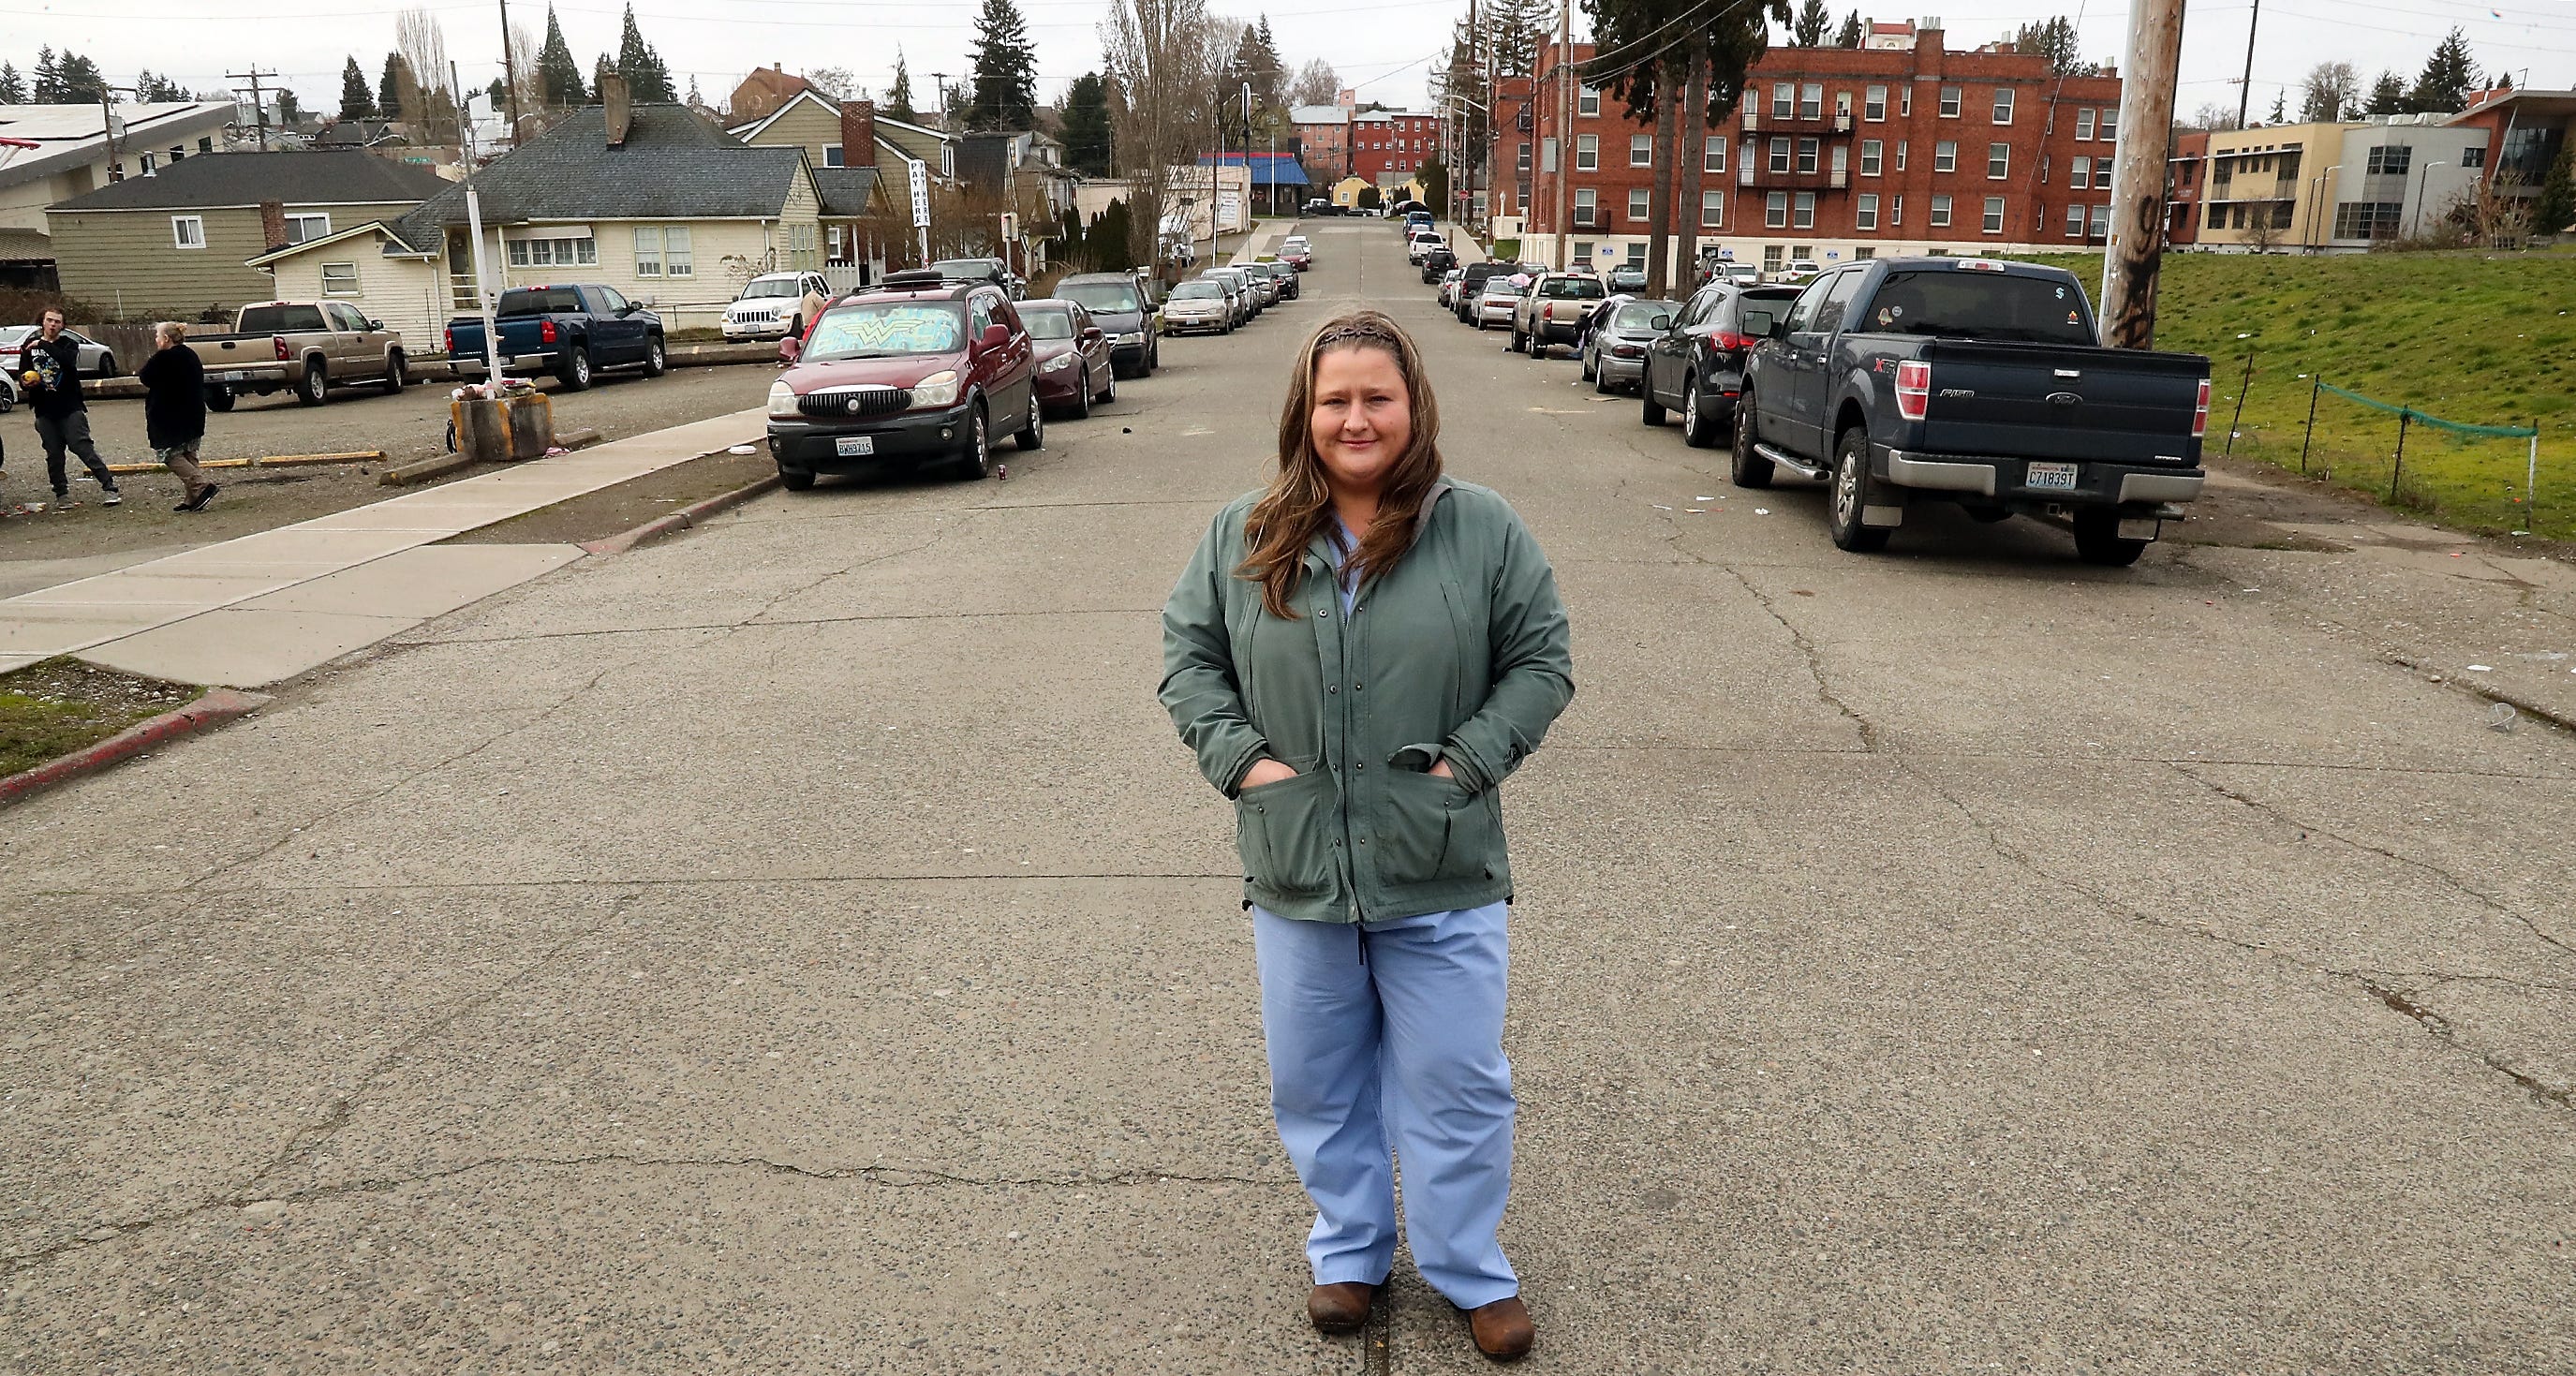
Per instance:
x=1799, y=272
x=305, y=347
x=922, y=370
x=1614, y=354
x=992, y=270
x=1265, y=288
x=1471, y=288
x=1626, y=277
x=8, y=390
x=1741, y=274
x=1317, y=205
x=1283, y=278
x=1118, y=307
x=770, y=304
x=1697, y=364
x=1449, y=285
x=570, y=331
x=1072, y=354
x=1436, y=263
x=1553, y=311
x=96, y=359
x=1497, y=303
x=1422, y=243
x=1976, y=381
x=1248, y=302
x=1200, y=305
x=1296, y=252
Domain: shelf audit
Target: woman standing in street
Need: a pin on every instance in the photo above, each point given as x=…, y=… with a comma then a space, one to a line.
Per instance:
x=1360, y=654
x=174, y=410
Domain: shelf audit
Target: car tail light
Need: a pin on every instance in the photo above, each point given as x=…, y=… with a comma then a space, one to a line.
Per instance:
x=1913, y=388
x=2200, y=412
x=451, y=343
x=278, y=342
x=1626, y=351
x=1729, y=339
x=546, y=331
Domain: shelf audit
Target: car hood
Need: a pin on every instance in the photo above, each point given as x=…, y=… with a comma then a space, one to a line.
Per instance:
x=884, y=372
x=1040, y=350
x=1119, y=322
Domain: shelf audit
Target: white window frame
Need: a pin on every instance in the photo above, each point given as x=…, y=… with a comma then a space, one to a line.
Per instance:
x=1896, y=212
x=2106, y=126
x=678, y=253
x=1998, y=161
x=2075, y=221
x=1712, y=209
x=1587, y=100
x=2079, y=174
x=1945, y=156
x=1900, y=154
x=1905, y=101
x=350, y=271
x=1940, y=212
x=554, y=251
x=1781, y=144
x=1811, y=100
x=1712, y=154
x=2100, y=226
x=1802, y=210
x=2003, y=105
x=1587, y=207
x=1641, y=150
x=301, y=224
x=648, y=251
x=1873, y=105
x=2084, y=125
x=1784, y=99
x=1994, y=221
x=1873, y=156
x=1808, y=151
x=1587, y=152
x=1950, y=99
x=1640, y=203
x=1865, y=212
x=1775, y=210
x=188, y=232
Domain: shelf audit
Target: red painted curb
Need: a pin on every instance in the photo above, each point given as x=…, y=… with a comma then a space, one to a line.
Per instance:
x=214, y=709
x=681, y=519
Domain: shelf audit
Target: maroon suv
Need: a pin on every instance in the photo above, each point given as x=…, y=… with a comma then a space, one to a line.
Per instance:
x=923, y=370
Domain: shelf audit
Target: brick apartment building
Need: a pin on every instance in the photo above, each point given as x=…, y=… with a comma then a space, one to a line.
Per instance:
x=1833, y=154
x=1388, y=146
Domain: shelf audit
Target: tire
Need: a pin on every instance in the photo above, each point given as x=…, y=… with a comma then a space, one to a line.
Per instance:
x=9, y=399
x=1653, y=411
x=976, y=464
x=575, y=371
x=397, y=373
x=1108, y=389
x=1033, y=434
x=1749, y=469
x=2098, y=542
x=1539, y=348
x=1081, y=398
x=1699, y=427
x=1154, y=358
x=795, y=481
x=107, y=365
x=1850, y=493
x=316, y=386
x=1513, y=345
x=1601, y=382
x=1591, y=370
x=657, y=359
x=218, y=399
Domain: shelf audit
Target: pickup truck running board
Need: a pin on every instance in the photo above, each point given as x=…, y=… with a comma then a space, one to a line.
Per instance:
x=1787, y=460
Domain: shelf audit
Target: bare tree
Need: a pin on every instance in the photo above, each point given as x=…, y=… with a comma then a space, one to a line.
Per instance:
x=2329, y=90
x=2262, y=232
x=2213, y=117
x=1163, y=57
x=423, y=48
x=530, y=82
x=836, y=82
x=1316, y=84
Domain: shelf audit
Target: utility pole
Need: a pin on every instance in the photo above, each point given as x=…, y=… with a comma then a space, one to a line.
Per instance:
x=109, y=123
x=2244, y=88
x=2136, y=248
x=509, y=73
x=258, y=109
x=1564, y=125
x=939, y=83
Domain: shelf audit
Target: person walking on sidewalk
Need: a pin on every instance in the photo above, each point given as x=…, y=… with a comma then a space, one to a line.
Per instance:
x=174, y=410
x=1360, y=655
x=62, y=418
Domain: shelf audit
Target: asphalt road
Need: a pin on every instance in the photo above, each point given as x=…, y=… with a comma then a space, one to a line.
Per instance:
x=801, y=946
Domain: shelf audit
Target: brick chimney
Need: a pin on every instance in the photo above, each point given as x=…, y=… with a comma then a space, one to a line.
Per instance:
x=272, y=224
x=858, y=133
x=619, y=109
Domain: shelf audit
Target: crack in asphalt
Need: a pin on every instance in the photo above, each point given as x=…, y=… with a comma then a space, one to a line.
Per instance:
x=533, y=637
x=2367, y=981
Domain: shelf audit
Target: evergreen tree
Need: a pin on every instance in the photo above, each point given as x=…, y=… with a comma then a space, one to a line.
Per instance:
x=647, y=80
x=2280, y=107
x=2444, y=84
x=389, y=90
x=1269, y=70
x=2556, y=206
x=1850, y=35
x=2387, y=96
x=13, y=87
x=49, y=81
x=290, y=111
x=498, y=93
x=1003, y=88
x=356, y=101
x=898, y=101
x=1813, y=20
x=558, y=71
x=1086, y=125
x=1513, y=32
x=605, y=66
x=81, y=80
x=2055, y=38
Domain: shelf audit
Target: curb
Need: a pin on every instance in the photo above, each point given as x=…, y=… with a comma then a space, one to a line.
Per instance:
x=2562, y=720
x=682, y=519
x=214, y=709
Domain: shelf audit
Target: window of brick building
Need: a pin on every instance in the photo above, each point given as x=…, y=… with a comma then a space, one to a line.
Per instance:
x=1804, y=215
x=1949, y=102
x=1873, y=153
x=1712, y=210
x=1807, y=149
x=1775, y=210
x=1998, y=161
x=1873, y=105
x=1713, y=155
x=2003, y=104
x=1940, y=212
x=1945, y=156
x=1641, y=150
x=1865, y=213
x=1994, y=215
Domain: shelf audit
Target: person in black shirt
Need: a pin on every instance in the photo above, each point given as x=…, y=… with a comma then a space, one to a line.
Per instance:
x=174, y=409
x=62, y=419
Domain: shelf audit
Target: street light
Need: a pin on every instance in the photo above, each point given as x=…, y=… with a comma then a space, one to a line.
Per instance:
x=2316, y=213
x=2420, y=181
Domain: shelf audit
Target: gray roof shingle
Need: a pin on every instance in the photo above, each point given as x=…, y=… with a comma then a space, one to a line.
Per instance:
x=318, y=177
x=674, y=165
x=845, y=190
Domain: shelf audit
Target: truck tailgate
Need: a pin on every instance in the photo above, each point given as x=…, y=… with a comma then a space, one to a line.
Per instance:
x=2049, y=401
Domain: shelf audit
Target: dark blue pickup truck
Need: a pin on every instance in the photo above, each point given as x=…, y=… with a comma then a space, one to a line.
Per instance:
x=572, y=332
x=1974, y=381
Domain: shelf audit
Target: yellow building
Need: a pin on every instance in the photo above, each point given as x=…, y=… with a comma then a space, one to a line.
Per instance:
x=2265, y=188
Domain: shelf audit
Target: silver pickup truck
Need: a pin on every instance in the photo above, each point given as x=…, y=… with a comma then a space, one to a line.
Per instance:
x=306, y=347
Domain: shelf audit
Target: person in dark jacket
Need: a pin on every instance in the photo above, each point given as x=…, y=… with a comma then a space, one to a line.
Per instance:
x=174, y=410
x=62, y=418
x=1360, y=656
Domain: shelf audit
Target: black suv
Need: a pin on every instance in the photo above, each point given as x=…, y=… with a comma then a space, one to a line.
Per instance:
x=1118, y=307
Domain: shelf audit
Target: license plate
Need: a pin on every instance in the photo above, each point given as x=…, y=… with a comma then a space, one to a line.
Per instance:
x=2057, y=476
x=854, y=446
x=232, y=377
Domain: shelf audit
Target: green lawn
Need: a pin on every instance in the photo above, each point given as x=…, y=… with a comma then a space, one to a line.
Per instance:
x=2467, y=336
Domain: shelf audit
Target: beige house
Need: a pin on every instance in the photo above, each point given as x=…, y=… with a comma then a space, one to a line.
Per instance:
x=179, y=242
x=652, y=200
x=2259, y=187
x=864, y=180
x=75, y=155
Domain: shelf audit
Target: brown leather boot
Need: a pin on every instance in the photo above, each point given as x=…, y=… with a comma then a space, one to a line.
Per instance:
x=1502, y=1329
x=1341, y=1307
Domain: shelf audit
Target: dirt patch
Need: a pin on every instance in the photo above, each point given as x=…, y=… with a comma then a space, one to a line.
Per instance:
x=2256, y=509
x=51, y=709
x=614, y=510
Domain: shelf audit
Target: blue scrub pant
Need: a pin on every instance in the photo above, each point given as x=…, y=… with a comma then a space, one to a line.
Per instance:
x=1387, y=1040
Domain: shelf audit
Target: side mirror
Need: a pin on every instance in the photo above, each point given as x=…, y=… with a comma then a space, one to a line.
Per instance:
x=376, y=325
x=1661, y=322
x=790, y=349
x=1093, y=334
x=1779, y=328
x=996, y=336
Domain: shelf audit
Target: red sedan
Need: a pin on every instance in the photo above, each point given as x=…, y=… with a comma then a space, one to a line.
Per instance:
x=1072, y=356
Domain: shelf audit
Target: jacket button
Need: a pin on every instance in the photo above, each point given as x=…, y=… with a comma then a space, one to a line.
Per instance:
x=1363, y=840
x=1322, y=615
x=1355, y=687
x=1332, y=688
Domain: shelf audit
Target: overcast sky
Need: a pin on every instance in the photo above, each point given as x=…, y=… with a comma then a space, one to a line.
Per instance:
x=1380, y=47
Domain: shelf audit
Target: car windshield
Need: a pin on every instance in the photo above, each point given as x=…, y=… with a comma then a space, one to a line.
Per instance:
x=1500, y=286
x=784, y=286
x=1047, y=324
x=521, y=301
x=1101, y=296
x=288, y=319
x=1198, y=291
x=1640, y=315
x=968, y=267
x=1572, y=288
x=1959, y=304
x=887, y=329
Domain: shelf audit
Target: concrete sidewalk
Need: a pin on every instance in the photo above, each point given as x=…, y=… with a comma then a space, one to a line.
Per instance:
x=268, y=606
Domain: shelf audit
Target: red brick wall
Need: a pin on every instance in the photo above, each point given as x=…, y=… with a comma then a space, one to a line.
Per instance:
x=1392, y=146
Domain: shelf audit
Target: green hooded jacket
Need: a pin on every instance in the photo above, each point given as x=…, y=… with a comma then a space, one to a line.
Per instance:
x=1460, y=652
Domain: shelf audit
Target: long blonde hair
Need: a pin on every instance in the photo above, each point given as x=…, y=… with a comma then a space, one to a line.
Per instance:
x=1298, y=506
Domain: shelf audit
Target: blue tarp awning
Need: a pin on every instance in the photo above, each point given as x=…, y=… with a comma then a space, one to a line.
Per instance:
x=1268, y=169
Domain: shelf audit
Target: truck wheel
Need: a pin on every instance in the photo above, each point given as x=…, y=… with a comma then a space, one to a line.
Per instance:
x=1699, y=423
x=1748, y=469
x=1851, y=492
x=217, y=399
x=657, y=360
x=574, y=373
x=397, y=373
x=2098, y=542
x=795, y=481
x=316, y=387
